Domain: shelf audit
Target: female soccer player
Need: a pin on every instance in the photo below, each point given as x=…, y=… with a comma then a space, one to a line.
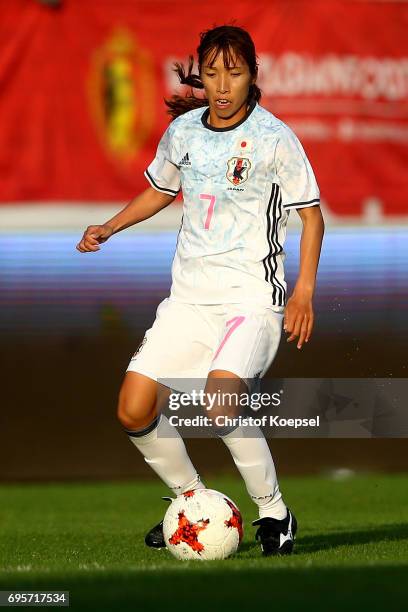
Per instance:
x=241, y=171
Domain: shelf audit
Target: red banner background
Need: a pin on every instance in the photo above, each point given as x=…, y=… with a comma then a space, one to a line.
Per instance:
x=82, y=87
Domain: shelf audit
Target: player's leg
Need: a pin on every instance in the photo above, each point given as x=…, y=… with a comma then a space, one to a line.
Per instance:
x=165, y=352
x=141, y=400
x=248, y=350
x=248, y=447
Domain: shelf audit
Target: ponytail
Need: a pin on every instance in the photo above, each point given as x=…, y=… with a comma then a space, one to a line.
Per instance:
x=178, y=105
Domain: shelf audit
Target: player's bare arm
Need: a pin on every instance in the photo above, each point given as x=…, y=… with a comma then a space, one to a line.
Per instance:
x=299, y=315
x=144, y=206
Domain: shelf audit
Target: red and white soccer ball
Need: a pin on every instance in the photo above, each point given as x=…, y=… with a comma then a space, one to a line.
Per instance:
x=203, y=524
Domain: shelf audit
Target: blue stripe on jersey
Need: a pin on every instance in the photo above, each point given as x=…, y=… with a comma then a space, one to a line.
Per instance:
x=270, y=261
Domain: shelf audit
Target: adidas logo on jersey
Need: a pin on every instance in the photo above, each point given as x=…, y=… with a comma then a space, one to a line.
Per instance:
x=185, y=161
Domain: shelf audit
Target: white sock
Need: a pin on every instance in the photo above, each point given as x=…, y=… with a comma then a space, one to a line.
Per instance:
x=255, y=464
x=164, y=450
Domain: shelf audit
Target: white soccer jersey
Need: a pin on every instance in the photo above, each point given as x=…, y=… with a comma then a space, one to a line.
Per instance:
x=239, y=185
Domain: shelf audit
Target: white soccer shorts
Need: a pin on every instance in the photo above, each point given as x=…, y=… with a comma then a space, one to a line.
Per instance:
x=187, y=341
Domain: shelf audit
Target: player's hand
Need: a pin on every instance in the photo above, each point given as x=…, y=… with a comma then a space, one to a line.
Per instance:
x=298, y=318
x=94, y=235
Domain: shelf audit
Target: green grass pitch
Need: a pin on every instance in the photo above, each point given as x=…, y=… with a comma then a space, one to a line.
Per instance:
x=351, y=550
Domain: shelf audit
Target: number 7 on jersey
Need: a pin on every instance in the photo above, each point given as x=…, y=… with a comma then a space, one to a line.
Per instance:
x=211, y=198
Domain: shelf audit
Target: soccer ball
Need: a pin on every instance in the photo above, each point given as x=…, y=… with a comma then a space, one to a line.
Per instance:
x=203, y=524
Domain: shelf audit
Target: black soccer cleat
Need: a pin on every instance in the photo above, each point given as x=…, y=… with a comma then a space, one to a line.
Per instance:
x=276, y=537
x=155, y=537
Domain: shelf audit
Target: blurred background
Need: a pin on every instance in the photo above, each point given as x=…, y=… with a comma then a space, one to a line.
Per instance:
x=82, y=85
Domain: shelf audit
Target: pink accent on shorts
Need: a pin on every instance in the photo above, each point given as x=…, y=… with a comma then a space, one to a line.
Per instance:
x=238, y=320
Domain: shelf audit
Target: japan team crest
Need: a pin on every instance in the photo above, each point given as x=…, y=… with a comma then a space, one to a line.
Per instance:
x=238, y=169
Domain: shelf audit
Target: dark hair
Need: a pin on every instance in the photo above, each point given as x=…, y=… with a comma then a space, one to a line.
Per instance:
x=226, y=38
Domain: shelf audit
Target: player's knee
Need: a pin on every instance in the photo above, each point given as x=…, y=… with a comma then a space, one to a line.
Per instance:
x=133, y=412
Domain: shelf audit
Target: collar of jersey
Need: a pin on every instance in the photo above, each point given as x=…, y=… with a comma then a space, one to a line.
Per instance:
x=204, y=119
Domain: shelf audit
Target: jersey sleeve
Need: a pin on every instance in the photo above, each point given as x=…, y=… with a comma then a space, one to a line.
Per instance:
x=295, y=175
x=163, y=174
